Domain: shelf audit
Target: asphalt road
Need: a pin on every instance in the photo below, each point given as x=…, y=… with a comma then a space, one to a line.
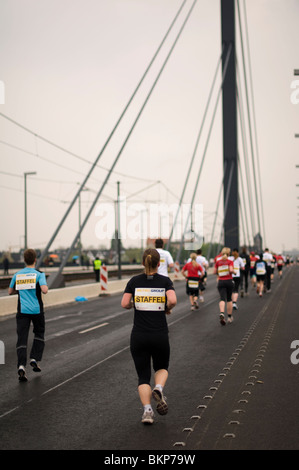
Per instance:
x=229, y=387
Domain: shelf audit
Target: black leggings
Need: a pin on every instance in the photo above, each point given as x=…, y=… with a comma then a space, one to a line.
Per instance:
x=225, y=289
x=23, y=326
x=146, y=346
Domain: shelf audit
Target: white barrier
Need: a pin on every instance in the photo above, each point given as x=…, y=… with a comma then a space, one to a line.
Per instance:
x=104, y=279
x=176, y=270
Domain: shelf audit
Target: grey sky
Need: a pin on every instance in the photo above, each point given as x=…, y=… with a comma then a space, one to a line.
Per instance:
x=69, y=67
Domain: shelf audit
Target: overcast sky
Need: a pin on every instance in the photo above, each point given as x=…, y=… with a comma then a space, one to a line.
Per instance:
x=70, y=66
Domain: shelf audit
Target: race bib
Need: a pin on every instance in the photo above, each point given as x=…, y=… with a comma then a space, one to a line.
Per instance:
x=149, y=298
x=26, y=281
x=260, y=269
x=193, y=284
x=223, y=270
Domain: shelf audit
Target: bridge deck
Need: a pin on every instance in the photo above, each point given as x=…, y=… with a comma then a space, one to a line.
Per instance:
x=231, y=387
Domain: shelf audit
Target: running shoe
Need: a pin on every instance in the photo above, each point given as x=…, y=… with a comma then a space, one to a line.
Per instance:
x=235, y=306
x=222, y=319
x=192, y=307
x=22, y=374
x=148, y=417
x=196, y=304
x=230, y=318
x=35, y=365
x=162, y=407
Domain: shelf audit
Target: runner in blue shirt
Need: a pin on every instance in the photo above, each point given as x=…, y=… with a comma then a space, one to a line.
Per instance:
x=29, y=284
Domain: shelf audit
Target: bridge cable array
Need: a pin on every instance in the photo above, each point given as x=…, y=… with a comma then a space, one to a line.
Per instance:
x=71, y=248
x=242, y=202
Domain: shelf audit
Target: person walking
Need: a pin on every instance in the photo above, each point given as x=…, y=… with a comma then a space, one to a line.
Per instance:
x=280, y=264
x=202, y=260
x=224, y=268
x=166, y=260
x=152, y=296
x=261, y=273
x=193, y=272
x=244, y=272
x=238, y=268
x=6, y=266
x=267, y=256
x=253, y=259
x=29, y=284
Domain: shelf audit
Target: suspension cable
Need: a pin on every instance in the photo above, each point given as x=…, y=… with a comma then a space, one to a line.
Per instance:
x=195, y=148
x=254, y=120
x=206, y=145
x=249, y=119
x=45, y=251
x=244, y=143
x=64, y=261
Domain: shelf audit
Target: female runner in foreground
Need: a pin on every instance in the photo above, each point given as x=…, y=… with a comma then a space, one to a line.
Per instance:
x=153, y=297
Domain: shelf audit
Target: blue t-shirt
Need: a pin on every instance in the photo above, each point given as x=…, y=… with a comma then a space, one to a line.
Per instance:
x=27, y=283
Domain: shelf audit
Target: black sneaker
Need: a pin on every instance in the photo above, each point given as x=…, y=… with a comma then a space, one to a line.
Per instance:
x=22, y=374
x=162, y=407
x=35, y=365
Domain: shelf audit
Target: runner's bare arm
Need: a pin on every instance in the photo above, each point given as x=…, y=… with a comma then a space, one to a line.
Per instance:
x=126, y=301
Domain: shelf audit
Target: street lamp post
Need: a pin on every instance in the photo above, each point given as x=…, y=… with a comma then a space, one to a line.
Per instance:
x=25, y=203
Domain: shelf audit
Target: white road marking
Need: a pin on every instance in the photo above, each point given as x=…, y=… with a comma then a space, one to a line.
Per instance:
x=93, y=328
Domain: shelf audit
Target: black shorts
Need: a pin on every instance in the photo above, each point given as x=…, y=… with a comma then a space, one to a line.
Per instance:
x=194, y=291
x=236, y=284
x=225, y=288
x=260, y=277
x=147, y=346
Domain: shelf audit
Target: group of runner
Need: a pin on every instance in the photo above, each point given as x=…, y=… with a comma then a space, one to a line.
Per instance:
x=233, y=271
x=195, y=272
x=152, y=296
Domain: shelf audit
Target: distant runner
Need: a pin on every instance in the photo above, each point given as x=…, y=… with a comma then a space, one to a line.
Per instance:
x=193, y=272
x=253, y=259
x=280, y=263
x=166, y=260
x=261, y=272
x=238, y=267
x=224, y=269
x=245, y=272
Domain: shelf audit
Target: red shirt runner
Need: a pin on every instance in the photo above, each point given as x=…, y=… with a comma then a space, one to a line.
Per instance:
x=222, y=269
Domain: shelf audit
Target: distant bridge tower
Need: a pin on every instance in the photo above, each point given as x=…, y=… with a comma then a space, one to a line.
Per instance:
x=229, y=116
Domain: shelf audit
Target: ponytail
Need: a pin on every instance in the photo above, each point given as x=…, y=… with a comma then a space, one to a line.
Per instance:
x=193, y=257
x=151, y=260
x=225, y=253
x=148, y=264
